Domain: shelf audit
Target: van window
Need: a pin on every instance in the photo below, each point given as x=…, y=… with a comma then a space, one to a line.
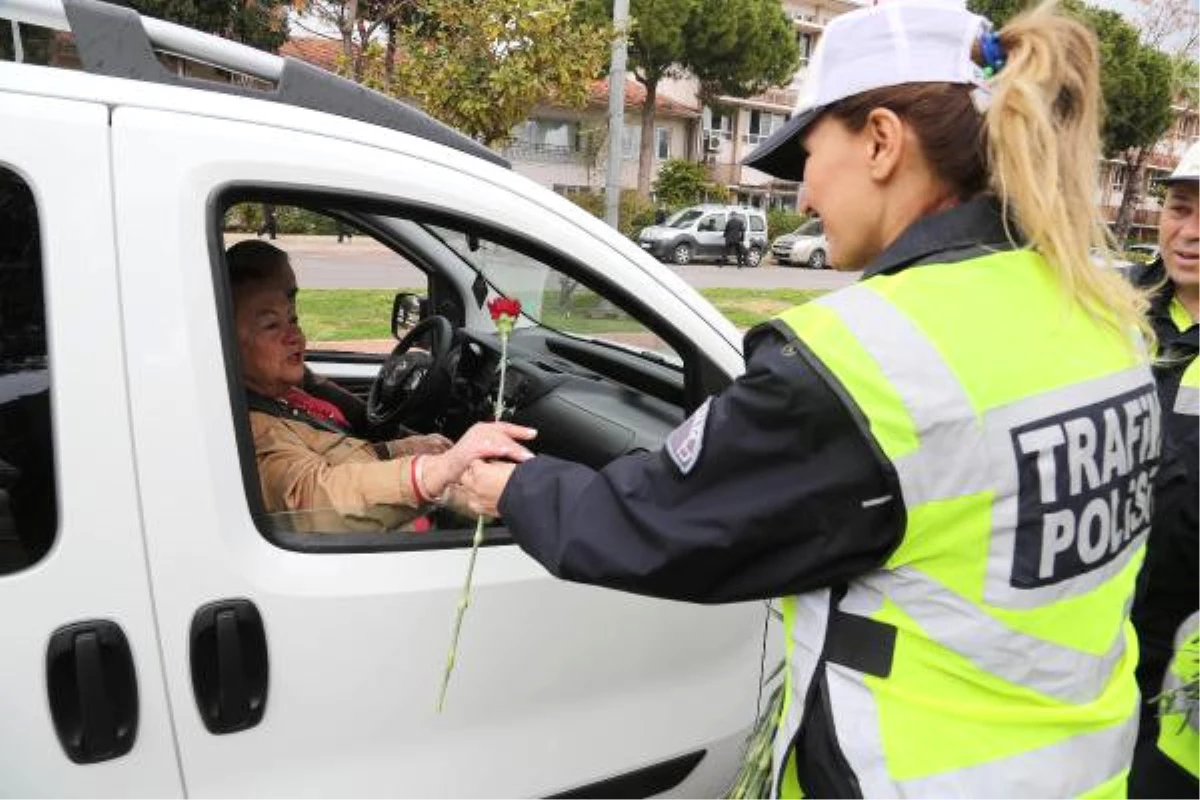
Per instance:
x=684, y=219
x=360, y=279
x=28, y=499
x=757, y=224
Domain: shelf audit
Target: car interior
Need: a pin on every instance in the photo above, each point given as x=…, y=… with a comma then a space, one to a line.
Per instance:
x=395, y=312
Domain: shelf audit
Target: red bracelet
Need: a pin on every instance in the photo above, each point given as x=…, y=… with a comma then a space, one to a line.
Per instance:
x=416, y=486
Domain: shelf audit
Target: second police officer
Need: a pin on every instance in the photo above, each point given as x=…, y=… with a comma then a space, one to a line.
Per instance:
x=1168, y=753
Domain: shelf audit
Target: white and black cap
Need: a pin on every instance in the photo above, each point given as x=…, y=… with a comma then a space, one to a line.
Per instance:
x=1188, y=168
x=889, y=44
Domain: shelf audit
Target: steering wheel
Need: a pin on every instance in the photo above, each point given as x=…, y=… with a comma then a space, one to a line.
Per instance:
x=411, y=380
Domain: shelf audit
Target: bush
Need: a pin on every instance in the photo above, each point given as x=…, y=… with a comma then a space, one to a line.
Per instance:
x=781, y=221
x=680, y=183
x=248, y=218
x=633, y=213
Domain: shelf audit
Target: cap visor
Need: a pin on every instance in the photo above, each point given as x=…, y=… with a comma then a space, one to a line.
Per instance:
x=781, y=155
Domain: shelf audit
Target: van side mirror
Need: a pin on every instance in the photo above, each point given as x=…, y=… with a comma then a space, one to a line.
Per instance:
x=407, y=310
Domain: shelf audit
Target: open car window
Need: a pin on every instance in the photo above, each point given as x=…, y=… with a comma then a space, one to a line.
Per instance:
x=594, y=379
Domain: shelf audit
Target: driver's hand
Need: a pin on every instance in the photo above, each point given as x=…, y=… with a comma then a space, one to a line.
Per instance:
x=429, y=444
x=485, y=440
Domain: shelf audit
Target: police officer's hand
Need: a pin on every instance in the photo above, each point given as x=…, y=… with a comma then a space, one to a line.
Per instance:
x=483, y=440
x=483, y=483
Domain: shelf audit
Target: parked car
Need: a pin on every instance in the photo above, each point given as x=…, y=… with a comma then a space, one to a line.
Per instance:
x=1147, y=252
x=1111, y=260
x=805, y=246
x=698, y=233
x=162, y=633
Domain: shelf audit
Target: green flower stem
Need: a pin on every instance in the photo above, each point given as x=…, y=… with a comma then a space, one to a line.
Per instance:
x=504, y=324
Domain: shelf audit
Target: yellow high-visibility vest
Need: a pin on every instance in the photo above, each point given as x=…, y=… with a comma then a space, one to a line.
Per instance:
x=992, y=654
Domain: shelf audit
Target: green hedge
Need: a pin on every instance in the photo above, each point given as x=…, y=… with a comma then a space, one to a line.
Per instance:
x=780, y=221
x=248, y=218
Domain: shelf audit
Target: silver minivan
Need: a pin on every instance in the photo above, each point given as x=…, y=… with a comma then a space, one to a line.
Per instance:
x=698, y=232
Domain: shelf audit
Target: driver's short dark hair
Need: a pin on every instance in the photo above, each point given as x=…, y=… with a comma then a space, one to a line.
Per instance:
x=253, y=261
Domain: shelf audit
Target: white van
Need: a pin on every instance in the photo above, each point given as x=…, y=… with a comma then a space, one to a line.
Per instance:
x=698, y=233
x=162, y=634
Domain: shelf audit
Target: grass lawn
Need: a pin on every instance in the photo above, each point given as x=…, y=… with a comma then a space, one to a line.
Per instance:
x=331, y=315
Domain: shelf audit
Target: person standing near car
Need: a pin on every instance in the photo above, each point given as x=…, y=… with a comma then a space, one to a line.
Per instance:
x=943, y=469
x=1168, y=751
x=735, y=234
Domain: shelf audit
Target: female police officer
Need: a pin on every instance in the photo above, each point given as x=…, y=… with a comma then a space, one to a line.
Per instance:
x=944, y=469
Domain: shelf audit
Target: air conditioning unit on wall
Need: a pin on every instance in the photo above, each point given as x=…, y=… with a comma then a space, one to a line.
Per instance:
x=712, y=143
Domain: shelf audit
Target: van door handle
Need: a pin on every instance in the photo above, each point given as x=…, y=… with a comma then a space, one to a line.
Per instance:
x=93, y=691
x=229, y=665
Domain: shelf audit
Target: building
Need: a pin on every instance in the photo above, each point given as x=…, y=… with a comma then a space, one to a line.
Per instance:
x=734, y=126
x=567, y=149
x=1184, y=131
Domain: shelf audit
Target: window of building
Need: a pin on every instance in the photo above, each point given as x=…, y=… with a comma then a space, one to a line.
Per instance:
x=662, y=143
x=1117, y=176
x=631, y=141
x=547, y=135
x=806, y=42
x=28, y=494
x=717, y=124
x=762, y=125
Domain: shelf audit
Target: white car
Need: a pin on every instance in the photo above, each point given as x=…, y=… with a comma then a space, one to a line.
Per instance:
x=164, y=636
x=805, y=246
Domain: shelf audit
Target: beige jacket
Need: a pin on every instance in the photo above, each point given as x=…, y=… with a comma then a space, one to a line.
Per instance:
x=314, y=472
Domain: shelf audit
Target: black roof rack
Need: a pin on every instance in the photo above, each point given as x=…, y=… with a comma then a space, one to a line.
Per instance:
x=113, y=41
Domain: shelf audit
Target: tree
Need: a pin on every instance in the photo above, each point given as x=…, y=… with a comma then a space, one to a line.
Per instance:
x=482, y=65
x=1169, y=25
x=734, y=47
x=258, y=23
x=360, y=23
x=1136, y=83
x=680, y=183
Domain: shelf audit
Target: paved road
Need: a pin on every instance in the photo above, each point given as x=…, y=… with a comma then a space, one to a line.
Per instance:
x=322, y=263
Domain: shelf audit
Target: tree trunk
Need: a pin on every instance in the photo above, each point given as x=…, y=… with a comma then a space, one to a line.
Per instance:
x=346, y=27
x=1131, y=197
x=646, y=149
x=389, y=57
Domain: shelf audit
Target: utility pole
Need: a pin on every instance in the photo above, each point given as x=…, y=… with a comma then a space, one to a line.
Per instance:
x=616, y=113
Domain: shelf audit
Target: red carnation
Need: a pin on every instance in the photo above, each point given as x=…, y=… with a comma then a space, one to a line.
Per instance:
x=504, y=307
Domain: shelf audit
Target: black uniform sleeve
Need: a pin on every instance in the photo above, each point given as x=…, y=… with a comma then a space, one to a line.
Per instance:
x=1169, y=581
x=786, y=494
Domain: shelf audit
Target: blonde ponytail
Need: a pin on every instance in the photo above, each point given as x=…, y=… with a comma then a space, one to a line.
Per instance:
x=1043, y=142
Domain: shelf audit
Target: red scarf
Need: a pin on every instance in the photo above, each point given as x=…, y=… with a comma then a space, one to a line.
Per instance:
x=315, y=407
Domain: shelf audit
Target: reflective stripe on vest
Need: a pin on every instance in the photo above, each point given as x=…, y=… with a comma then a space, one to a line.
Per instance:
x=997, y=458
x=1178, y=736
x=1187, y=400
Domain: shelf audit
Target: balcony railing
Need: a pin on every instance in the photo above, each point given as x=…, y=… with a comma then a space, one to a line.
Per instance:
x=544, y=153
x=780, y=97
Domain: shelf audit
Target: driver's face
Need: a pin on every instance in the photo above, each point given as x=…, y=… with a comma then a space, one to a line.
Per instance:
x=269, y=336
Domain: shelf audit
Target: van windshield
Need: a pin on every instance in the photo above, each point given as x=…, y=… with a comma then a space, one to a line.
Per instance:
x=683, y=219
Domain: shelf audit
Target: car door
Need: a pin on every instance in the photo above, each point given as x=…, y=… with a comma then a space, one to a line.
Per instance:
x=710, y=235
x=82, y=708
x=556, y=685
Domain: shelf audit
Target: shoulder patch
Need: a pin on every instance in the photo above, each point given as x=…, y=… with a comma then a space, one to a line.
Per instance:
x=686, y=442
